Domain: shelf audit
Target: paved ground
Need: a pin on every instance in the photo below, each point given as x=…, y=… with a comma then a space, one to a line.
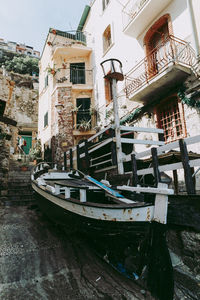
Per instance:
x=38, y=260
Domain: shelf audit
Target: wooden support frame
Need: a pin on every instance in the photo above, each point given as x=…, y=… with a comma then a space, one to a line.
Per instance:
x=65, y=161
x=71, y=158
x=155, y=165
x=186, y=166
x=135, y=180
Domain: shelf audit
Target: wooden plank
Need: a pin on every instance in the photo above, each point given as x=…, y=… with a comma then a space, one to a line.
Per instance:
x=186, y=166
x=71, y=158
x=101, y=156
x=78, y=157
x=162, y=191
x=144, y=142
x=166, y=147
x=102, y=162
x=155, y=165
x=99, y=133
x=169, y=167
x=175, y=176
x=161, y=205
x=8, y=121
x=141, y=129
x=101, y=145
x=65, y=161
x=87, y=158
x=135, y=180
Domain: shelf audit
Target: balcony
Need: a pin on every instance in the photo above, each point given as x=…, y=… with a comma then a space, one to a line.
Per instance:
x=78, y=79
x=73, y=44
x=136, y=16
x=164, y=68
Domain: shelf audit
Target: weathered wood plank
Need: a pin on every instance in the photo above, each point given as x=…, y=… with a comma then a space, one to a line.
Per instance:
x=186, y=166
x=144, y=142
x=141, y=129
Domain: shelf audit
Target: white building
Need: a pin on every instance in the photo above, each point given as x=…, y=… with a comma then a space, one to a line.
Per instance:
x=157, y=43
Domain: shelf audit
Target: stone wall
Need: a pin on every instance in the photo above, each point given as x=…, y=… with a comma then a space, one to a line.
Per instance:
x=20, y=92
x=62, y=123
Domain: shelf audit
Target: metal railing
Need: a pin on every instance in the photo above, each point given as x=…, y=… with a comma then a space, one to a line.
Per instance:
x=171, y=51
x=74, y=76
x=131, y=10
x=73, y=35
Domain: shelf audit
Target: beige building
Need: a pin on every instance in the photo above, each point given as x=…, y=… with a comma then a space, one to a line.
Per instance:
x=66, y=100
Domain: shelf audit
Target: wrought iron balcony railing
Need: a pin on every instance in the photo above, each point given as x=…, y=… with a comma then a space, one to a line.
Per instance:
x=74, y=76
x=131, y=10
x=171, y=51
x=73, y=35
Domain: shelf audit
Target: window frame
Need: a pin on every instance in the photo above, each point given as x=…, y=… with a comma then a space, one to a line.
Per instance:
x=46, y=120
x=80, y=76
x=107, y=38
x=166, y=115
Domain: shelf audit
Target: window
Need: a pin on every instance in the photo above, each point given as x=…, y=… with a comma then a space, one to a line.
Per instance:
x=46, y=81
x=108, y=90
x=105, y=3
x=77, y=73
x=107, y=39
x=83, y=114
x=46, y=119
x=170, y=117
x=2, y=107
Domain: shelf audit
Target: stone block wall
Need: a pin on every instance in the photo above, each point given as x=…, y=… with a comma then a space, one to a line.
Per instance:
x=62, y=123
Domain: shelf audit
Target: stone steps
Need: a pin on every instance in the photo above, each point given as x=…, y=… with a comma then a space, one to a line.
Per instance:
x=19, y=191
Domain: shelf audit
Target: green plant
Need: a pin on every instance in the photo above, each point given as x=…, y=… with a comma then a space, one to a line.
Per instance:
x=52, y=71
x=84, y=125
x=22, y=65
x=36, y=151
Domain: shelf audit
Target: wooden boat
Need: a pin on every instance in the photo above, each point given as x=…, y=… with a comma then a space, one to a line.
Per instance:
x=127, y=232
x=90, y=205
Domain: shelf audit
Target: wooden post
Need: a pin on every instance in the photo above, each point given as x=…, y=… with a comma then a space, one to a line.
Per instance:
x=117, y=128
x=78, y=157
x=87, y=158
x=175, y=176
x=71, y=158
x=65, y=161
x=155, y=165
x=113, y=150
x=186, y=166
x=134, y=170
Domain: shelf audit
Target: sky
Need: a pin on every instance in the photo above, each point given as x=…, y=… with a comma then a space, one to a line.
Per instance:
x=28, y=21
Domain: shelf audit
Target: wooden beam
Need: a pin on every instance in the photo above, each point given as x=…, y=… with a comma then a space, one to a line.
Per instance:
x=65, y=161
x=144, y=142
x=78, y=157
x=8, y=121
x=71, y=158
x=87, y=158
x=175, y=176
x=135, y=180
x=141, y=129
x=186, y=166
x=155, y=166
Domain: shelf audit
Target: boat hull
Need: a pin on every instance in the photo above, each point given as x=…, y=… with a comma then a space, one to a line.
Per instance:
x=49, y=205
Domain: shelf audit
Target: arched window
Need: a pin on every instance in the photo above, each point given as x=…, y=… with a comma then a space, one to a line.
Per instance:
x=107, y=39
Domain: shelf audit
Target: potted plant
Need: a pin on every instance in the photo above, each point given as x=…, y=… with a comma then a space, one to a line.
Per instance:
x=84, y=125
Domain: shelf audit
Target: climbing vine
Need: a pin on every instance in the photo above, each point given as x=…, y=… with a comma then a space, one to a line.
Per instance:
x=190, y=101
x=132, y=116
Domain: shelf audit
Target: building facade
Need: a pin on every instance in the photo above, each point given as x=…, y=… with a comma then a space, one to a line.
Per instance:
x=18, y=48
x=66, y=101
x=158, y=45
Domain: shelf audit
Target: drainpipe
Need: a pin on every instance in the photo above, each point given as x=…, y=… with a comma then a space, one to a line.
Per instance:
x=194, y=28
